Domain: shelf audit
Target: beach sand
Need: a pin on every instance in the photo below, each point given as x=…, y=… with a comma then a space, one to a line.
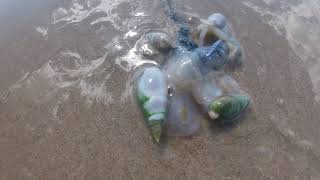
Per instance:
x=68, y=110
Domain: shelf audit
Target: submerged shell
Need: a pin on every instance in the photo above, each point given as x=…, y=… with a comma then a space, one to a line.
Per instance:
x=152, y=83
x=152, y=95
x=213, y=86
x=236, y=53
x=211, y=30
x=160, y=41
x=182, y=118
x=229, y=107
x=217, y=20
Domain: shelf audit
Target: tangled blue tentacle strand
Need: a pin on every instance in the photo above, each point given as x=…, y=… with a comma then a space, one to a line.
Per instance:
x=183, y=38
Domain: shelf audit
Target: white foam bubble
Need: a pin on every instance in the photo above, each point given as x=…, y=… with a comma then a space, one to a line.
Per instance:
x=130, y=34
x=77, y=12
x=42, y=30
x=139, y=14
x=132, y=60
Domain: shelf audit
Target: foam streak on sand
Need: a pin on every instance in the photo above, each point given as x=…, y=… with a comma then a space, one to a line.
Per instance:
x=132, y=60
x=77, y=12
x=52, y=76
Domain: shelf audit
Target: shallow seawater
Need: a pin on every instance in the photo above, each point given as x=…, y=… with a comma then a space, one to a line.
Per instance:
x=68, y=110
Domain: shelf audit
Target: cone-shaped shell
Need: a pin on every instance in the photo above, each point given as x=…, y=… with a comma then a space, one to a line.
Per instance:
x=229, y=107
x=152, y=96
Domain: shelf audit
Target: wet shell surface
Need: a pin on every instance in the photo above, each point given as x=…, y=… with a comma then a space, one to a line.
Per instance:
x=214, y=85
x=191, y=73
x=152, y=96
x=160, y=41
x=229, y=108
x=218, y=20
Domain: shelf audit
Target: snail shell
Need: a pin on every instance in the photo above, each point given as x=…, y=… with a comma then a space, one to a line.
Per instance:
x=160, y=41
x=218, y=20
x=152, y=96
x=229, y=108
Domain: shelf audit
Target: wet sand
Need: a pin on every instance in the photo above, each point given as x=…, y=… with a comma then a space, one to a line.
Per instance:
x=68, y=111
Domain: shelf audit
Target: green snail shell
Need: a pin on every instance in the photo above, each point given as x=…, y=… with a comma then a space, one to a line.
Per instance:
x=152, y=96
x=229, y=107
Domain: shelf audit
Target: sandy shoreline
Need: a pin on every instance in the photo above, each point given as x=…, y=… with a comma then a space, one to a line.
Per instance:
x=67, y=110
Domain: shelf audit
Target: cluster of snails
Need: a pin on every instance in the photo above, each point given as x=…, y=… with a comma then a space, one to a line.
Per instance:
x=191, y=77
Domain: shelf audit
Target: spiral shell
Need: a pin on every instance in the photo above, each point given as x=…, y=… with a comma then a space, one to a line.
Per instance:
x=152, y=96
x=229, y=108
